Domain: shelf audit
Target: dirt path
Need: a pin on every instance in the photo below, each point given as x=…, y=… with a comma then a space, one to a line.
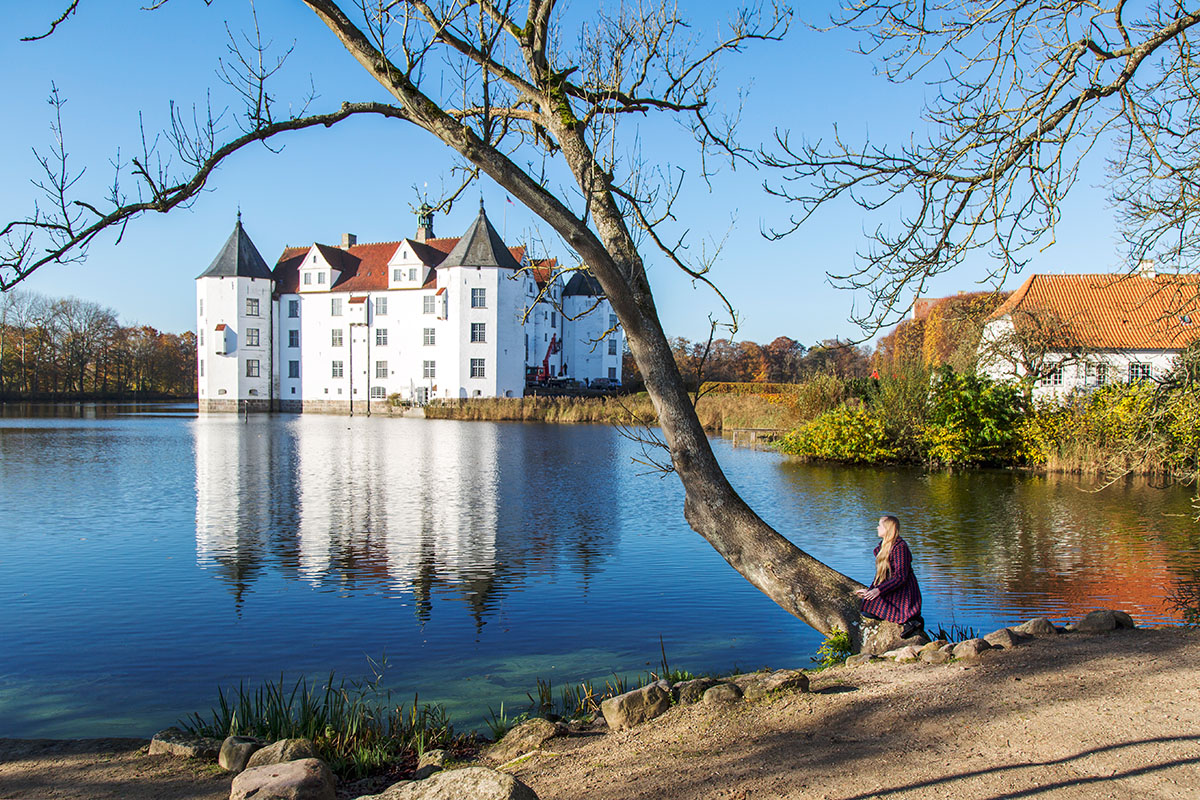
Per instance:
x=1102, y=716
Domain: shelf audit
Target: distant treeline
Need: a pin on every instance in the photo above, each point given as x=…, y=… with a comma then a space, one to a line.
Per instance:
x=783, y=360
x=67, y=348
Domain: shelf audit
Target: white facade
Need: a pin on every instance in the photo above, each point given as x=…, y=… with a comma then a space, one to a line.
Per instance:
x=364, y=323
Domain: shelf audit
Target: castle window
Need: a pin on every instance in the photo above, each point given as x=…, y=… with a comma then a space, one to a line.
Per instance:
x=251, y=367
x=335, y=306
x=553, y=319
x=612, y=320
x=202, y=337
x=429, y=337
x=428, y=304
x=337, y=369
x=293, y=338
x=478, y=332
x=378, y=393
x=252, y=337
x=202, y=368
x=612, y=346
x=202, y=306
x=308, y=279
x=612, y=373
x=335, y=337
x=479, y=298
x=381, y=370
x=381, y=306
x=293, y=308
x=251, y=306
x=429, y=369
x=381, y=336
x=293, y=369
x=477, y=368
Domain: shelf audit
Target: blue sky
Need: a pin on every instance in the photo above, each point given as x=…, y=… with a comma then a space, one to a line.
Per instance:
x=112, y=61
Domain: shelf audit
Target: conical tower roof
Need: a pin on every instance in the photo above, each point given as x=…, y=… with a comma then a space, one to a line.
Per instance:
x=239, y=258
x=480, y=246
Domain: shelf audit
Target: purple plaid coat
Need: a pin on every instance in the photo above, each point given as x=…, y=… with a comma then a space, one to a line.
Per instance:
x=899, y=596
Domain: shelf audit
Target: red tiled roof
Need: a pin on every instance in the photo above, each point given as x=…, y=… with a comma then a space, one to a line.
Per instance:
x=543, y=269
x=1115, y=312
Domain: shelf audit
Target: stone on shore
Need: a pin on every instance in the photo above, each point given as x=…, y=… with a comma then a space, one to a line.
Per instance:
x=1005, y=637
x=755, y=685
x=935, y=656
x=637, y=706
x=688, y=692
x=236, y=752
x=522, y=739
x=723, y=694
x=909, y=653
x=971, y=648
x=177, y=742
x=1038, y=626
x=881, y=636
x=863, y=658
x=306, y=779
x=431, y=761
x=1103, y=620
x=281, y=752
x=470, y=783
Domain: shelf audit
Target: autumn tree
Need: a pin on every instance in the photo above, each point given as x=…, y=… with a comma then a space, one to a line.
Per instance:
x=517, y=99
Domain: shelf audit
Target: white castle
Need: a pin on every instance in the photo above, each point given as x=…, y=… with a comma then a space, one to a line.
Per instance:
x=342, y=329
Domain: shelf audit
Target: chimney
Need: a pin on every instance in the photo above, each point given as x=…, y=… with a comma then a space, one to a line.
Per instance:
x=424, y=223
x=349, y=240
x=1145, y=269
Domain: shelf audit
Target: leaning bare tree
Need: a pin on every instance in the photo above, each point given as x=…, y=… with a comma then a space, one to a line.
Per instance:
x=501, y=85
x=1022, y=93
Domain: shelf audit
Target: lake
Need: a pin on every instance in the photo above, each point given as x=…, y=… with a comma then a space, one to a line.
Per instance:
x=148, y=555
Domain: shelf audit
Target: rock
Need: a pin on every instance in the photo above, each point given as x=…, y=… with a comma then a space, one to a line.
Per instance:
x=236, y=752
x=470, y=783
x=305, y=779
x=880, y=636
x=723, y=694
x=177, y=742
x=862, y=658
x=281, y=752
x=1005, y=637
x=431, y=761
x=971, y=648
x=688, y=692
x=910, y=653
x=1038, y=626
x=935, y=656
x=948, y=647
x=1103, y=620
x=523, y=738
x=636, y=707
x=932, y=646
x=755, y=685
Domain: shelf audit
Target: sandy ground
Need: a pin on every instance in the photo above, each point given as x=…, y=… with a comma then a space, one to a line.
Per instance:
x=1101, y=716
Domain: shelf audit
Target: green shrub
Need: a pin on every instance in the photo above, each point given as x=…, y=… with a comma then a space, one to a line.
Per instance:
x=972, y=420
x=854, y=435
x=834, y=650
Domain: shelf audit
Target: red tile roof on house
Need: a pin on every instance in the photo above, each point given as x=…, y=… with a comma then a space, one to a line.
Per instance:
x=1115, y=312
x=364, y=267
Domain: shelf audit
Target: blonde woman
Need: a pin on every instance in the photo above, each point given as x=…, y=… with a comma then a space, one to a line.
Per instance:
x=894, y=594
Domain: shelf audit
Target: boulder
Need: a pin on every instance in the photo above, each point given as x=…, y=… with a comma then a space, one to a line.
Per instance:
x=879, y=636
x=1103, y=620
x=932, y=646
x=688, y=692
x=475, y=783
x=236, y=752
x=723, y=694
x=909, y=653
x=1005, y=637
x=971, y=648
x=281, y=752
x=431, y=761
x=862, y=658
x=1038, y=626
x=759, y=684
x=522, y=739
x=177, y=742
x=636, y=707
x=306, y=779
x=935, y=656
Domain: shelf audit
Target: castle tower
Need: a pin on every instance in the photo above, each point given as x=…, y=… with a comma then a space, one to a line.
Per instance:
x=235, y=324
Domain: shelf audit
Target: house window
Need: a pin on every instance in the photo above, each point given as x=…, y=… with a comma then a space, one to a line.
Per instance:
x=251, y=306
x=612, y=346
x=1139, y=372
x=381, y=336
x=251, y=367
x=412, y=274
x=612, y=373
x=612, y=320
x=479, y=298
x=335, y=306
x=429, y=369
x=308, y=279
x=478, y=332
x=293, y=308
x=429, y=336
x=1097, y=374
x=381, y=369
x=1054, y=377
x=337, y=369
x=477, y=368
x=320, y=277
x=427, y=304
x=293, y=338
x=381, y=306
x=335, y=337
x=377, y=393
x=397, y=275
x=293, y=369
x=252, y=337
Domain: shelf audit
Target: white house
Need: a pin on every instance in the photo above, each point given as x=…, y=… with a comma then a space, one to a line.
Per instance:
x=421, y=318
x=1076, y=332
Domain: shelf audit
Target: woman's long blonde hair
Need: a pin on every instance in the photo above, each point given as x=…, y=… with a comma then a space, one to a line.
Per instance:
x=891, y=530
